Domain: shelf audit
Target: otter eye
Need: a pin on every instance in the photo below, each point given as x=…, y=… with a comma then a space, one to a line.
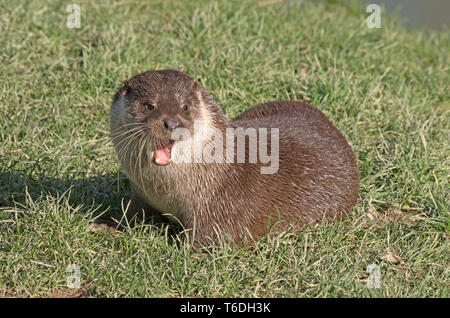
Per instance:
x=185, y=107
x=149, y=106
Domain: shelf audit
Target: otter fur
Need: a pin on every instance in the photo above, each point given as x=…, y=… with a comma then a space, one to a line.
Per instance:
x=317, y=175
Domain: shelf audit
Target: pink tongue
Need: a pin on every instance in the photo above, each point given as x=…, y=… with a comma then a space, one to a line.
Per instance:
x=162, y=156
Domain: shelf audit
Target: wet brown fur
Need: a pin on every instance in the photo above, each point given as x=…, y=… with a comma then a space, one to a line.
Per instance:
x=317, y=177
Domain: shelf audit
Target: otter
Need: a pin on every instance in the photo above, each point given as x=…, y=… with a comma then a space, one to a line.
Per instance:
x=316, y=176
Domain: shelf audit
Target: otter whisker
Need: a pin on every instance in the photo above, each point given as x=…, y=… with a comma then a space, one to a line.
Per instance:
x=121, y=134
x=131, y=124
x=127, y=139
x=144, y=142
x=125, y=148
x=130, y=141
x=121, y=129
x=138, y=163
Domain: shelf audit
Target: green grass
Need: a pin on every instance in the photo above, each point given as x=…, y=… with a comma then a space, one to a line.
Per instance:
x=386, y=89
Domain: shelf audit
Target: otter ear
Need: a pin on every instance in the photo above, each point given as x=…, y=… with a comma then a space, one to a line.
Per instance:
x=125, y=88
x=195, y=85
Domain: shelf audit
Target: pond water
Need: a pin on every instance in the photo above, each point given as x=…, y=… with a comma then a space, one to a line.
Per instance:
x=427, y=14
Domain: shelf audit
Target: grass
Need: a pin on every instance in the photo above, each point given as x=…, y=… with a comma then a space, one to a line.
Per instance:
x=385, y=89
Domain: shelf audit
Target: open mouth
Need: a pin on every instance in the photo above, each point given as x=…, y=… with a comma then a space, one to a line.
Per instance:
x=162, y=154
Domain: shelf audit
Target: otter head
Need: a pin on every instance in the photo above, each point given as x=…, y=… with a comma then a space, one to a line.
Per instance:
x=153, y=104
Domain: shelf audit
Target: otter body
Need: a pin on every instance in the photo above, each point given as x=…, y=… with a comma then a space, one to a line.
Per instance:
x=317, y=175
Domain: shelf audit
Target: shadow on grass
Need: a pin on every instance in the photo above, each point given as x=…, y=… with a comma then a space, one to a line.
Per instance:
x=102, y=198
x=105, y=193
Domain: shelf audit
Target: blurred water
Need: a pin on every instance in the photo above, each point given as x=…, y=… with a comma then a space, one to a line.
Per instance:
x=428, y=14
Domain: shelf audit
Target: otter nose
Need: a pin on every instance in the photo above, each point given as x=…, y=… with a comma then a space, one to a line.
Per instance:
x=170, y=124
